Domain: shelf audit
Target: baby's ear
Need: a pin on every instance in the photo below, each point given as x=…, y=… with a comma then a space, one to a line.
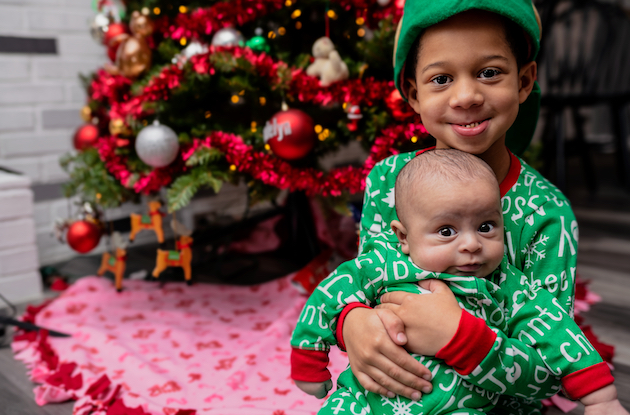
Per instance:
x=401, y=233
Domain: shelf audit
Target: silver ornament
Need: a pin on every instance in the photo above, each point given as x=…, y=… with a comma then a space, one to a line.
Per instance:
x=157, y=145
x=99, y=25
x=228, y=37
x=383, y=3
x=194, y=48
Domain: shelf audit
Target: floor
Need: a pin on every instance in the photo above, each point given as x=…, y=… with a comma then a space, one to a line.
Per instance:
x=604, y=254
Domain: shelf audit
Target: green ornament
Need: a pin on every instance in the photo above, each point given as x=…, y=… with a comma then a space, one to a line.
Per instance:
x=258, y=43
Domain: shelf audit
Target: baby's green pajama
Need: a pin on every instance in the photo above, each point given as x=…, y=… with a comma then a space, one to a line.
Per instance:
x=507, y=306
x=541, y=238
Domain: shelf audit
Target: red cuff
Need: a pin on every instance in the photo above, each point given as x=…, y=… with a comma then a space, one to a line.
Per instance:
x=339, y=331
x=581, y=383
x=469, y=346
x=309, y=365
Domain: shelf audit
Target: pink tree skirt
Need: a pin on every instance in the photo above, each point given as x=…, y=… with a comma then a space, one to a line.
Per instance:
x=204, y=349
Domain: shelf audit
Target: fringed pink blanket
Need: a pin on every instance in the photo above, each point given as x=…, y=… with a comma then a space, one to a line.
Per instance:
x=171, y=350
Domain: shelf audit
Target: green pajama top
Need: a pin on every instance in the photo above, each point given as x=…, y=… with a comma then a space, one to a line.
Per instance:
x=505, y=301
x=541, y=232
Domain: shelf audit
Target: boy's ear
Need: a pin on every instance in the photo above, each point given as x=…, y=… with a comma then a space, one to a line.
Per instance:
x=401, y=233
x=410, y=88
x=526, y=78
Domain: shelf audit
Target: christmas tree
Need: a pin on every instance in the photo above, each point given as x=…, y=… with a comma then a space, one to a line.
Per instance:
x=206, y=92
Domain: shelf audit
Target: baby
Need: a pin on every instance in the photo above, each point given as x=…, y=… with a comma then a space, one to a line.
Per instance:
x=450, y=228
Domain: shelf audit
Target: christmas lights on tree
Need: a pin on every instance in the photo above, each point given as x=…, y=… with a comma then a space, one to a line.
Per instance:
x=253, y=90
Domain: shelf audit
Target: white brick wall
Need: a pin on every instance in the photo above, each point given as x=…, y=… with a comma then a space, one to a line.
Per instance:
x=41, y=95
x=19, y=277
x=40, y=99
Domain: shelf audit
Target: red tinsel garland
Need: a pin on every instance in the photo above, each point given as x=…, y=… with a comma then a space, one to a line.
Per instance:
x=278, y=173
x=115, y=91
x=204, y=21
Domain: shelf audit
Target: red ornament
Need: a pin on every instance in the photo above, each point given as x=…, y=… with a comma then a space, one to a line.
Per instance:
x=83, y=236
x=290, y=134
x=401, y=111
x=354, y=115
x=116, y=33
x=113, y=30
x=85, y=137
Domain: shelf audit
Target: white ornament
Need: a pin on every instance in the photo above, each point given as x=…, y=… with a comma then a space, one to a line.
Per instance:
x=157, y=145
x=383, y=3
x=228, y=37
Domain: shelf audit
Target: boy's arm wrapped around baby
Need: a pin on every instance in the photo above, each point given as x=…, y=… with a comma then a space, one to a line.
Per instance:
x=355, y=281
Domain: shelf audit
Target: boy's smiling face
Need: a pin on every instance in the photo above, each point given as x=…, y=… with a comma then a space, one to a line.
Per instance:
x=467, y=86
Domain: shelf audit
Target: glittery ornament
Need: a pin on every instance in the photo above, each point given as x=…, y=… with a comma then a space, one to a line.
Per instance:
x=290, y=134
x=85, y=137
x=86, y=113
x=157, y=145
x=83, y=236
x=99, y=25
x=228, y=37
x=258, y=43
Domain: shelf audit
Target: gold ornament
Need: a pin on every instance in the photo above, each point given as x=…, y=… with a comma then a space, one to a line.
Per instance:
x=133, y=55
x=117, y=127
x=140, y=24
x=86, y=114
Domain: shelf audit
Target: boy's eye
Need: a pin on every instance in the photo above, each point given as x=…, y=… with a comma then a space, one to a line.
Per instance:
x=440, y=79
x=446, y=231
x=486, y=227
x=488, y=73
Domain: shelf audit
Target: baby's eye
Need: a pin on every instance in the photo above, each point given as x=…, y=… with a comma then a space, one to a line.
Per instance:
x=486, y=227
x=440, y=79
x=489, y=73
x=446, y=231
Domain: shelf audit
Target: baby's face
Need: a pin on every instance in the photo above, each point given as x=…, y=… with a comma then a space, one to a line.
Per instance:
x=455, y=228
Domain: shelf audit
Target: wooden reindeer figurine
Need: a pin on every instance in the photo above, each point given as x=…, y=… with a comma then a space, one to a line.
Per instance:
x=115, y=263
x=182, y=257
x=151, y=221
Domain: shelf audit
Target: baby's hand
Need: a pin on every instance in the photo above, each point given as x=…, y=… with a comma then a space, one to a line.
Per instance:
x=603, y=402
x=317, y=389
x=605, y=408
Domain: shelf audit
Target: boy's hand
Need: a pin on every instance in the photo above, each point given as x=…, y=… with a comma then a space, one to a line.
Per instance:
x=317, y=389
x=430, y=320
x=603, y=402
x=378, y=363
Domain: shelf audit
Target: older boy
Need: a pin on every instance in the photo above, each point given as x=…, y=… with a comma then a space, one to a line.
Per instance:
x=467, y=68
x=450, y=223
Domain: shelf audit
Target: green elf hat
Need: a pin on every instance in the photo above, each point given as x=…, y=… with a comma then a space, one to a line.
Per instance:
x=420, y=14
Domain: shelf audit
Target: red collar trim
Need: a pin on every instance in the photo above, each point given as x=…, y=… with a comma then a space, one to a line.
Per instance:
x=512, y=176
